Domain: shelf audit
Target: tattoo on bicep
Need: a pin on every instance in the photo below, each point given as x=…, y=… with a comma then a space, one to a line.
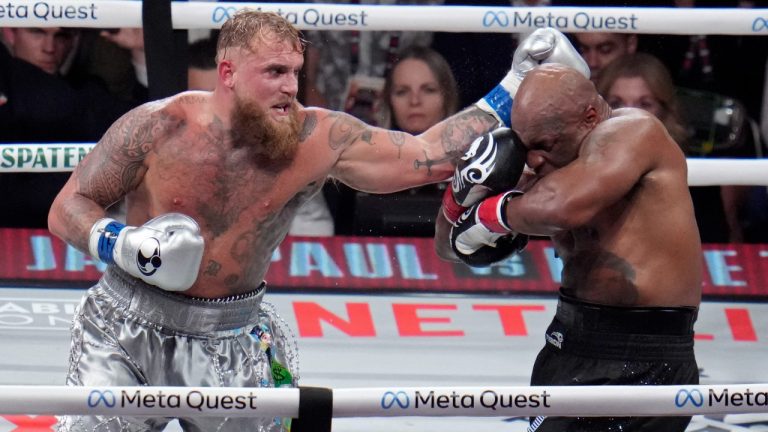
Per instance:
x=461, y=129
x=345, y=130
x=309, y=125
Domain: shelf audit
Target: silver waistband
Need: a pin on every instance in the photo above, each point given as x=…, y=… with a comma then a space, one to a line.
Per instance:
x=179, y=312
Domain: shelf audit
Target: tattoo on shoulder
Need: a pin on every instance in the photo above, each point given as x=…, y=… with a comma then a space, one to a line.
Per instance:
x=461, y=129
x=192, y=99
x=346, y=129
x=310, y=123
x=116, y=164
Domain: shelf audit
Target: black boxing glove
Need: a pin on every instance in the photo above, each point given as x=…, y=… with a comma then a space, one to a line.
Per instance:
x=481, y=237
x=493, y=164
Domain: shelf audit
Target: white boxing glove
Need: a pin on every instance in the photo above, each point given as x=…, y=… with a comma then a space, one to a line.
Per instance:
x=481, y=236
x=545, y=45
x=165, y=252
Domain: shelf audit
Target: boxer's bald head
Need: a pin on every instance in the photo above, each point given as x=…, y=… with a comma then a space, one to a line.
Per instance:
x=550, y=96
x=555, y=108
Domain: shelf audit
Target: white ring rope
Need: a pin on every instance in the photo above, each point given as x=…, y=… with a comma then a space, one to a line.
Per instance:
x=199, y=15
x=63, y=157
x=390, y=401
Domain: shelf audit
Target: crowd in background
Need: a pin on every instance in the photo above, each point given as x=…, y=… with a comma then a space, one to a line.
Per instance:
x=69, y=85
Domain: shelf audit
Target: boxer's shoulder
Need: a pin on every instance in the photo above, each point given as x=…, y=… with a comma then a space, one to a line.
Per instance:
x=336, y=129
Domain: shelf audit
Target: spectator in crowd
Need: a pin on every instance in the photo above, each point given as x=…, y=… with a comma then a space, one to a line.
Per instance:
x=345, y=70
x=599, y=49
x=419, y=92
x=641, y=80
x=712, y=62
x=201, y=73
x=44, y=105
x=116, y=57
x=466, y=51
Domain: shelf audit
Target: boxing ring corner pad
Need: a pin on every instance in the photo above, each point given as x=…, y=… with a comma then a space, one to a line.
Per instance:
x=324, y=403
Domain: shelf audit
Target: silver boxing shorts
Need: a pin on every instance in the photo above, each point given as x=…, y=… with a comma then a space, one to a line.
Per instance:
x=128, y=333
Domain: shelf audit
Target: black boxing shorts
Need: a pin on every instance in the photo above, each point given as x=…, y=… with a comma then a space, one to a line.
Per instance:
x=591, y=344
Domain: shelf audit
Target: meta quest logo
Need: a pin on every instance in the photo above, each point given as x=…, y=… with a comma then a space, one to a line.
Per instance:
x=193, y=399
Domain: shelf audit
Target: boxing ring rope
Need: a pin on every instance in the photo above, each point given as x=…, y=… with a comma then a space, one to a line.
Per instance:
x=585, y=401
x=62, y=157
x=391, y=401
x=201, y=15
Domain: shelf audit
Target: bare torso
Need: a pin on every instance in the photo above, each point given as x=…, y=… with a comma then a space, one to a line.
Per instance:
x=244, y=210
x=176, y=155
x=620, y=214
x=644, y=249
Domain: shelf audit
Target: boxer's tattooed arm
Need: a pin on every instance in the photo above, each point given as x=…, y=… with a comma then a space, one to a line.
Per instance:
x=461, y=129
x=398, y=139
x=346, y=130
x=116, y=165
x=74, y=215
x=429, y=163
x=113, y=168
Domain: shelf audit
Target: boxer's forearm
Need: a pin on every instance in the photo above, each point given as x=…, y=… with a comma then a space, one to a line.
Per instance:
x=453, y=135
x=71, y=218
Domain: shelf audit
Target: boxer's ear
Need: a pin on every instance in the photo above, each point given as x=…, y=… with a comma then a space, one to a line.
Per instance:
x=226, y=70
x=591, y=117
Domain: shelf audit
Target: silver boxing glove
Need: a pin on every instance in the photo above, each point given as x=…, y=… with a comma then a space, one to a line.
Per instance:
x=165, y=252
x=545, y=45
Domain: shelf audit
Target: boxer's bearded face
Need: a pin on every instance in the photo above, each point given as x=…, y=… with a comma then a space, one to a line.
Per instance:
x=267, y=138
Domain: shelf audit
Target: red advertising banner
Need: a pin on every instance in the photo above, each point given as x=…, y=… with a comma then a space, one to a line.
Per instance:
x=378, y=263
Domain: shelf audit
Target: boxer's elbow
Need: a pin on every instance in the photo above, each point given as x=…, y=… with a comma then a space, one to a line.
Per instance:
x=569, y=213
x=544, y=218
x=442, y=239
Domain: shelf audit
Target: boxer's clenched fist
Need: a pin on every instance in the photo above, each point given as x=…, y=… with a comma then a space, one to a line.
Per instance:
x=545, y=45
x=165, y=252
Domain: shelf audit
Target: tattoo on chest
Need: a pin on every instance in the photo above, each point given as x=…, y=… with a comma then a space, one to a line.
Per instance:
x=230, y=189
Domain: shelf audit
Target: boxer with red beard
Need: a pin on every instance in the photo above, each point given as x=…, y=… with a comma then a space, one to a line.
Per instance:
x=268, y=141
x=211, y=181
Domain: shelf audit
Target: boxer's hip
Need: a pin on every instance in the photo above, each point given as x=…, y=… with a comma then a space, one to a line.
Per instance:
x=177, y=312
x=636, y=333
